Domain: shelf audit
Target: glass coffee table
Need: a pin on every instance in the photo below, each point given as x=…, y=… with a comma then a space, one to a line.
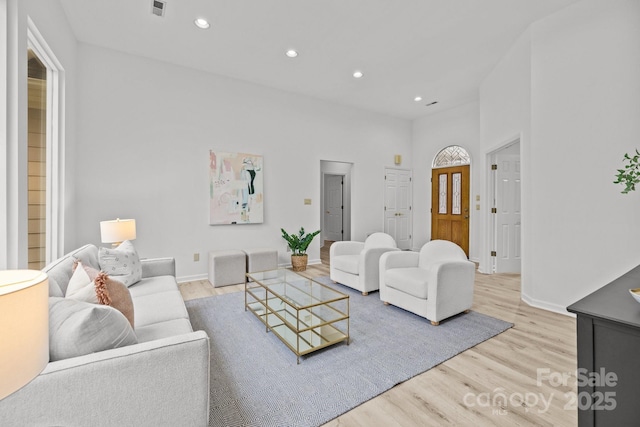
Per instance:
x=305, y=314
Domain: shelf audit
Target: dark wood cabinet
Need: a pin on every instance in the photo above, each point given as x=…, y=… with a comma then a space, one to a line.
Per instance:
x=608, y=330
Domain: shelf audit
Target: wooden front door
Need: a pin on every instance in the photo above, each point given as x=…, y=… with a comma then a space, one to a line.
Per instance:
x=450, y=205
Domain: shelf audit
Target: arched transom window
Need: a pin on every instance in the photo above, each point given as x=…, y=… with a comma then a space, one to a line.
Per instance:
x=453, y=155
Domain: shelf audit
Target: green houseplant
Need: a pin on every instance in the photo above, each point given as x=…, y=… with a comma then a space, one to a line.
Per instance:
x=298, y=243
x=630, y=175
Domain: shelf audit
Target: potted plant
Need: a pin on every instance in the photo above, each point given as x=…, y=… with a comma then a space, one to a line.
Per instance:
x=298, y=243
x=630, y=175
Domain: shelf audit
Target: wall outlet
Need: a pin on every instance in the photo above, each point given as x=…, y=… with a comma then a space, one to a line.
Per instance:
x=196, y=257
x=307, y=201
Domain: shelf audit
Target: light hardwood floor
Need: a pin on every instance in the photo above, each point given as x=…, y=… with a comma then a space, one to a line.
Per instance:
x=467, y=389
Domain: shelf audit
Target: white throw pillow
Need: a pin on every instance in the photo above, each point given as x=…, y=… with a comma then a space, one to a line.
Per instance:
x=81, y=287
x=121, y=263
x=77, y=328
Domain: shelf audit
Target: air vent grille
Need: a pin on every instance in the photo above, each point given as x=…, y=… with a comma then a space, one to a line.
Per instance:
x=158, y=7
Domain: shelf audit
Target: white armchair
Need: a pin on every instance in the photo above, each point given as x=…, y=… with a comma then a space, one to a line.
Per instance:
x=436, y=283
x=355, y=264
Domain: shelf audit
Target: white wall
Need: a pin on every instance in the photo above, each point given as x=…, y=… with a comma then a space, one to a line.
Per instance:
x=585, y=106
x=570, y=88
x=456, y=126
x=144, y=131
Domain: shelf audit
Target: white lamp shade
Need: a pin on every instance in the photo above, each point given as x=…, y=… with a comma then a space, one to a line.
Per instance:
x=24, y=328
x=117, y=230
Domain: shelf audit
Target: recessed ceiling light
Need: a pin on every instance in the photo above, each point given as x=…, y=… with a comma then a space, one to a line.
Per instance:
x=358, y=74
x=417, y=98
x=202, y=23
x=291, y=53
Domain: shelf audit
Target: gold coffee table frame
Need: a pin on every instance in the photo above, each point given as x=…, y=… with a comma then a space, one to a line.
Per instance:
x=305, y=314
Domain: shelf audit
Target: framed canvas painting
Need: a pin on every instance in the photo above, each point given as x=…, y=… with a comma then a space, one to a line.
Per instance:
x=235, y=188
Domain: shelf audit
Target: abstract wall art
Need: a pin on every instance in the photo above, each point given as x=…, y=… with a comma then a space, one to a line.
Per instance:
x=235, y=188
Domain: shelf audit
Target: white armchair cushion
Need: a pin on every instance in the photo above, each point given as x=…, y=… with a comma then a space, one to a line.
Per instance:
x=347, y=263
x=411, y=280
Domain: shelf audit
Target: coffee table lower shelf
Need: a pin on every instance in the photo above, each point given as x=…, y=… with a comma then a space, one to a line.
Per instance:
x=302, y=329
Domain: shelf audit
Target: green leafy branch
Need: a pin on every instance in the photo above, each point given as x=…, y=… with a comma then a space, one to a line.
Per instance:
x=630, y=175
x=298, y=243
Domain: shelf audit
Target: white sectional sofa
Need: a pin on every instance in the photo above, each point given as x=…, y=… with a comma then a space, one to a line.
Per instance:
x=163, y=380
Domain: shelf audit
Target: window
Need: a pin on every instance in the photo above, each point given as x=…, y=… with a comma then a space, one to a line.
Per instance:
x=453, y=155
x=45, y=141
x=37, y=161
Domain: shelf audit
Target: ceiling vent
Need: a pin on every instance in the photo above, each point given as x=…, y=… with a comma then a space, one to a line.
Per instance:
x=158, y=7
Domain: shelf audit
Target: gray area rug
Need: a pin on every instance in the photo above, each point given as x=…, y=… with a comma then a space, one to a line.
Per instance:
x=255, y=380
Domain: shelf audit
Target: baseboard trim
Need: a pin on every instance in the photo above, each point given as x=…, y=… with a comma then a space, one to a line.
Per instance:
x=545, y=305
x=193, y=278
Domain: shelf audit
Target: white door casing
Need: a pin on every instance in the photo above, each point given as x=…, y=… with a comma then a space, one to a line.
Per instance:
x=507, y=211
x=333, y=214
x=397, y=206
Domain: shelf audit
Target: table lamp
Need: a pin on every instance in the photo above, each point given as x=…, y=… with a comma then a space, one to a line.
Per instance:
x=24, y=328
x=117, y=231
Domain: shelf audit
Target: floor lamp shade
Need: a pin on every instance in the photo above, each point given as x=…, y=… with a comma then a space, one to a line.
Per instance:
x=24, y=327
x=117, y=230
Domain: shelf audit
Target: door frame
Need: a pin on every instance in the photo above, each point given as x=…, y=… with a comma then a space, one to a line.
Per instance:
x=487, y=262
x=55, y=137
x=330, y=167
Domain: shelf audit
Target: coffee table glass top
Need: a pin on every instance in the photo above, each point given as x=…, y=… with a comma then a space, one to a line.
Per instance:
x=297, y=290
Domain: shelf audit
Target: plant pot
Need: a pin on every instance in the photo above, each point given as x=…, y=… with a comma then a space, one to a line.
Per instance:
x=299, y=262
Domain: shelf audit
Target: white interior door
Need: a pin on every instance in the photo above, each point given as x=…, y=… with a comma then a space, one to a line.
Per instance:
x=333, y=214
x=507, y=211
x=397, y=202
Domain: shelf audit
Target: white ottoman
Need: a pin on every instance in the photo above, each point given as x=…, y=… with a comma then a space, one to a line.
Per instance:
x=261, y=259
x=227, y=267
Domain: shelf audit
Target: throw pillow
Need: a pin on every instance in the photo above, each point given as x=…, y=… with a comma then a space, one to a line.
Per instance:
x=77, y=328
x=122, y=263
x=81, y=286
x=99, y=288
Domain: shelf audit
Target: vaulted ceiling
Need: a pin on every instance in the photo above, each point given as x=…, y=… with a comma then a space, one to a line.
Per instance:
x=437, y=49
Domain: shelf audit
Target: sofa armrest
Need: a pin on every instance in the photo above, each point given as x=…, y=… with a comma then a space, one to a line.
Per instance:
x=161, y=382
x=345, y=248
x=152, y=267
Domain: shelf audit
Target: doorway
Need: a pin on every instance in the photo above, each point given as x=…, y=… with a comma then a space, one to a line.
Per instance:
x=450, y=205
x=450, y=183
x=397, y=206
x=45, y=119
x=505, y=223
x=335, y=206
